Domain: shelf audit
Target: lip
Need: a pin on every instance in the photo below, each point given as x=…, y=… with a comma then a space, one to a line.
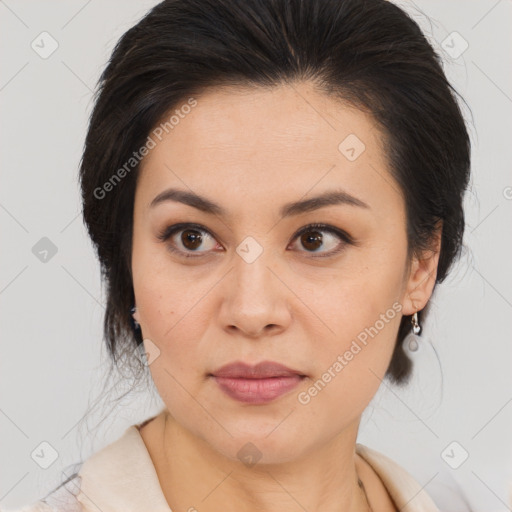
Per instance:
x=265, y=369
x=258, y=384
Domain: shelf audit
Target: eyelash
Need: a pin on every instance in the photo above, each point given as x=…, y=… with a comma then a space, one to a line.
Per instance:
x=169, y=231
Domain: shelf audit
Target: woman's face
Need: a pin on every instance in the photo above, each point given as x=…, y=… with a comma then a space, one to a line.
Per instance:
x=242, y=285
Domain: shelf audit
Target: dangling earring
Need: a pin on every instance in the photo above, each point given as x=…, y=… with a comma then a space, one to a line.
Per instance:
x=416, y=329
x=135, y=324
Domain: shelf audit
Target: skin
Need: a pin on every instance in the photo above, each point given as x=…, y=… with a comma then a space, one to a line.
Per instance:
x=251, y=151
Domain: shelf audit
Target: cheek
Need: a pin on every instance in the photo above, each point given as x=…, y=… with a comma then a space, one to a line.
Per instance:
x=360, y=307
x=351, y=363
x=176, y=311
x=167, y=294
x=172, y=322
x=172, y=318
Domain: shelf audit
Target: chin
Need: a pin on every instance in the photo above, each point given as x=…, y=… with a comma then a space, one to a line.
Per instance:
x=258, y=442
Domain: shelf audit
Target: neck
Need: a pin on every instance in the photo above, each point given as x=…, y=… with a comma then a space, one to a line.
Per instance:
x=196, y=477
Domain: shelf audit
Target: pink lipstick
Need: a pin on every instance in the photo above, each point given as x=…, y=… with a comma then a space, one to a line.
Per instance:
x=257, y=384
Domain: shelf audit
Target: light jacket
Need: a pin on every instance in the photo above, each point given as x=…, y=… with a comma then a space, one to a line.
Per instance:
x=122, y=478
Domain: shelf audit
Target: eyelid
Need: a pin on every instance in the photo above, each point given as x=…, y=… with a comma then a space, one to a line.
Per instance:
x=325, y=227
x=345, y=238
x=168, y=231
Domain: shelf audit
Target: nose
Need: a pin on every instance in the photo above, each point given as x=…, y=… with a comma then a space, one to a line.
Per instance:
x=255, y=300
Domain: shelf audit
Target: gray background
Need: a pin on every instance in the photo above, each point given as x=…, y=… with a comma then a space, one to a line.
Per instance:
x=53, y=363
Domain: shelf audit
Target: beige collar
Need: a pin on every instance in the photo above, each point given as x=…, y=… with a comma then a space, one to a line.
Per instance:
x=122, y=476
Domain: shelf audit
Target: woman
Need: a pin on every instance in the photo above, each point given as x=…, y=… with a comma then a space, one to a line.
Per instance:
x=274, y=188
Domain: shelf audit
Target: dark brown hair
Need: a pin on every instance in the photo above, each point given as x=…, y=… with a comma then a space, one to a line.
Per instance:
x=368, y=53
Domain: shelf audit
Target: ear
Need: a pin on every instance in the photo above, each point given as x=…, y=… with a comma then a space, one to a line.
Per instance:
x=136, y=315
x=422, y=276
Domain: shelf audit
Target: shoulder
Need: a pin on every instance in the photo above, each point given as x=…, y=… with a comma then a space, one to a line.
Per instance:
x=401, y=486
x=112, y=475
x=61, y=499
x=115, y=474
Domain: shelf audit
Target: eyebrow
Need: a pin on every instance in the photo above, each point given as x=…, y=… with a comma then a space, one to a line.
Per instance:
x=334, y=197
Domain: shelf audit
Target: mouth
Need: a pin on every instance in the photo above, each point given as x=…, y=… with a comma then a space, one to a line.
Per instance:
x=263, y=370
x=257, y=384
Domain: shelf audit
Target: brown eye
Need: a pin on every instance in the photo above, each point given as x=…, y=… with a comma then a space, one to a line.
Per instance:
x=322, y=239
x=312, y=240
x=194, y=241
x=191, y=239
x=187, y=240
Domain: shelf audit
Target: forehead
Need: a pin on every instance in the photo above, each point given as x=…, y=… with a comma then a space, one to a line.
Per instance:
x=268, y=142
